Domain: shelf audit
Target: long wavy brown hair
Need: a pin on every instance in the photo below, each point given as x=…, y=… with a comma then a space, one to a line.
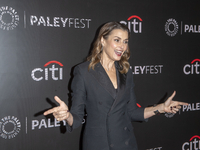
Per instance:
x=104, y=32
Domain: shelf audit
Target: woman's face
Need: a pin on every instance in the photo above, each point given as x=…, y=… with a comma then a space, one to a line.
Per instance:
x=115, y=45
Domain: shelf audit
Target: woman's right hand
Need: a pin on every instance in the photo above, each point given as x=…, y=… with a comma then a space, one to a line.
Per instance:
x=61, y=112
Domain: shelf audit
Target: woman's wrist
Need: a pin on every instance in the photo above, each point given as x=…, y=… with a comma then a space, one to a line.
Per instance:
x=69, y=120
x=158, y=108
x=161, y=108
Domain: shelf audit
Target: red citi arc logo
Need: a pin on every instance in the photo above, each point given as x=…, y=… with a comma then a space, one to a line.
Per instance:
x=192, y=68
x=194, y=143
x=135, y=25
x=56, y=73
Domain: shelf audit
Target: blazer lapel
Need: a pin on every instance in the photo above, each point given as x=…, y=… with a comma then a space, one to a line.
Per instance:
x=121, y=80
x=100, y=74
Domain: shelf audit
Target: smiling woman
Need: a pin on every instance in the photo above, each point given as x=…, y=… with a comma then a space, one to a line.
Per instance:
x=115, y=45
x=112, y=41
x=103, y=88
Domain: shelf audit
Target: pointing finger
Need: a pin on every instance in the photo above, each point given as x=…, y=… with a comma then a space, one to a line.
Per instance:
x=182, y=103
x=50, y=111
x=172, y=96
x=58, y=100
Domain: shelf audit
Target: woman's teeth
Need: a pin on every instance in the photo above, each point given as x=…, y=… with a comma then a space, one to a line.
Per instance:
x=119, y=53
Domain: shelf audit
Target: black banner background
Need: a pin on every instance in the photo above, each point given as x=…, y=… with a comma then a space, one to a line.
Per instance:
x=30, y=46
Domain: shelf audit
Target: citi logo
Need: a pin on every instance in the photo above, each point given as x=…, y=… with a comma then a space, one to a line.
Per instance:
x=194, y=144
x=134, y=24
x=192, y=68
x=50, y=71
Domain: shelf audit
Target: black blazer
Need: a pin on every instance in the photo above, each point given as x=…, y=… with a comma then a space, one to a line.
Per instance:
x=109, y=114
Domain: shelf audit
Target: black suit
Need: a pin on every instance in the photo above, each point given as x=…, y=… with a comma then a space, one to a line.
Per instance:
x=109, y=114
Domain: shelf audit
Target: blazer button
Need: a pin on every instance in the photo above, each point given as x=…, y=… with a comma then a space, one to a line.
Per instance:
x=125, y=128
x=111, y=145
x=100, y=103
x=126, y=142
x=128, y=102
x=123, y=113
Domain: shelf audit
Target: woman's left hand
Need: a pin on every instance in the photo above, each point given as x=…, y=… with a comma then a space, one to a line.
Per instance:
x=171, y=106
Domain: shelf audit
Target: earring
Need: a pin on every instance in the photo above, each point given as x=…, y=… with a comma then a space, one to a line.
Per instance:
x=101, y=48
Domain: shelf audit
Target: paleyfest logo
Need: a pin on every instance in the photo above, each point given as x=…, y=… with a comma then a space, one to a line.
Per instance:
x=9, y=127
x=149, y=69
x=9, y=19
x=186, y=108
x=157, y=148
x=171, y=27
x=48, y=21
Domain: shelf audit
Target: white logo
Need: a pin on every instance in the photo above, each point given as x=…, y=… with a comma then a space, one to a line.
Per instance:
x=192, y=68
x=157, y=148
x=43, y=123
x=59, y=22
x=192, y=28
x=191, y=107
x=9, y=127
x=8, y=18
x=171, y=27
x=194, y=143
x=56, y=73
x=152, y=69
x=185, y=108
x=38, y=124
x=135, y=25
x=169, y=115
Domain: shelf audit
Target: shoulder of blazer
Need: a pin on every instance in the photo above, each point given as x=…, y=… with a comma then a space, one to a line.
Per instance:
x=82, y=67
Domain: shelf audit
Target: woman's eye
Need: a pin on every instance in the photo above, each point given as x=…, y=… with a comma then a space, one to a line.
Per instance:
x=126, y=42
x=116, y=40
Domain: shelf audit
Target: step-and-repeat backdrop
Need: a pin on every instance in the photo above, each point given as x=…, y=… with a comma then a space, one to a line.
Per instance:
x=41, y=42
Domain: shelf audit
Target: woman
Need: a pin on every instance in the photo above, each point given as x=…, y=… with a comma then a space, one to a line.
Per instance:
x=103, y=86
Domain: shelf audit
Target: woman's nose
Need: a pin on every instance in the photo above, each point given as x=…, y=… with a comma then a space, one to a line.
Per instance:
x=122, y=45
